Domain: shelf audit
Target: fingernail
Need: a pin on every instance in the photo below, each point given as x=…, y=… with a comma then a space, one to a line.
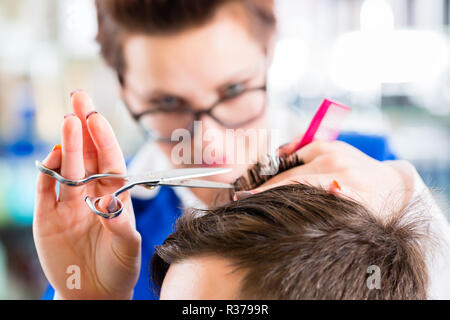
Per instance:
x=112, y=206
x=335, y=186
x=240, y=195
x=57, y=147
x=90, y=114
x=75, y=91
x=283, y=145
x=281, y=149
x=69, y=115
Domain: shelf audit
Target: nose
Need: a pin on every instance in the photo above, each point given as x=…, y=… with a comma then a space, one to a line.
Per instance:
x=209, y=125
x=213, y=133
x=210, y=143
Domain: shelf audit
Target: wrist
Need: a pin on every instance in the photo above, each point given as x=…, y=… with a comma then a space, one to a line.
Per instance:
x=129, y=296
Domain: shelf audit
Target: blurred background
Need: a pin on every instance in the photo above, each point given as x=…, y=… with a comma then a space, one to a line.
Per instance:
x=387, y=59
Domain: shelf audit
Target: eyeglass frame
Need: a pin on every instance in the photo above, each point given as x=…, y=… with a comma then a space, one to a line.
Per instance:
x=198, y=113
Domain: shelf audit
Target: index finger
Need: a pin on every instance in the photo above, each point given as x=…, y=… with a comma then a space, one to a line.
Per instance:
x=290, y=147
x=45, y=186
x=324, y=181
x=315, y=149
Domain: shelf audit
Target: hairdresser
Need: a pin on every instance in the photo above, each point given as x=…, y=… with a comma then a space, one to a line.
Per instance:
x=176, y=62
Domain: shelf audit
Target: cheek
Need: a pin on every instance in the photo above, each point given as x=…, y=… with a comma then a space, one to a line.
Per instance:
x=259, y=145
x=132, y=102
x=166, y=149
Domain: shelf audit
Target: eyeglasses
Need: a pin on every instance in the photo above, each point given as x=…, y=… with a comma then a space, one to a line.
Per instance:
x=237, y=107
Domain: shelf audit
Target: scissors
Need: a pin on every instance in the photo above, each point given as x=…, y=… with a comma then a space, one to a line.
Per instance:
x=149, y=180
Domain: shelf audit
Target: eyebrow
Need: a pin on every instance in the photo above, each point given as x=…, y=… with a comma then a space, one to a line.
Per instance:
x=240, y=76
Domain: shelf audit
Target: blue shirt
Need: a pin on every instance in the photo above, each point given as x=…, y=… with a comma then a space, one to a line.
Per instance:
x=155, y=217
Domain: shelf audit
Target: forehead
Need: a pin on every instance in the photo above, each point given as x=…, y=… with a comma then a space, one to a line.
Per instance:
x=205, y=55
x=207, y=277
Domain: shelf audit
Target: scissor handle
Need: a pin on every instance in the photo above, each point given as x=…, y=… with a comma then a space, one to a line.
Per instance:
x=92, y=204
x=75, y=183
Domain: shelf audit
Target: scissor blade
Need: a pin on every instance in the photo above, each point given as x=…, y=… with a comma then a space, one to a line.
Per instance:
x=178, y=174
x=196, y=184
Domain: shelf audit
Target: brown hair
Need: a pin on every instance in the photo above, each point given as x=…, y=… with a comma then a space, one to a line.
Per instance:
x=302, y=242
x=116, y=18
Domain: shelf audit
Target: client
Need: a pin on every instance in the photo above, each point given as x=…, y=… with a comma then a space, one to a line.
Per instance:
x=297, y=241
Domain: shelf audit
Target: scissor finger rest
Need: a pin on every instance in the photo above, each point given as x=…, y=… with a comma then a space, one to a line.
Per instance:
x=93, y=202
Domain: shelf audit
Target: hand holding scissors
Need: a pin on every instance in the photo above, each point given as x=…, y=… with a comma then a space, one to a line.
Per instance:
x=174, y=178
x=105, y=253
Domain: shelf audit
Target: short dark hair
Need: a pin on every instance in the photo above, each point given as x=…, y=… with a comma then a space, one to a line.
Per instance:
x=302, y=242
x=119, y=17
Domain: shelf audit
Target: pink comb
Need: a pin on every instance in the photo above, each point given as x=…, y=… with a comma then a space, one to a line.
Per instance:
x=326, y=123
